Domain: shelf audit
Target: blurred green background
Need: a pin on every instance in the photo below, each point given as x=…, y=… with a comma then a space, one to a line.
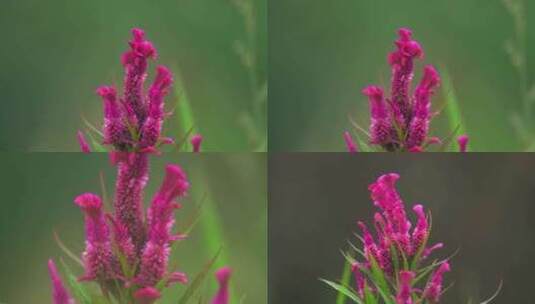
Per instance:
x=322, y=53
x=481, y=204
x=38, y=191
x=56, y=53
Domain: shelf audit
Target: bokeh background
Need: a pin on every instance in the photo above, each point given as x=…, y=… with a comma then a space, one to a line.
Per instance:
x=38, y=192
x=321, y=55
x=482, y=204
x=56, y=53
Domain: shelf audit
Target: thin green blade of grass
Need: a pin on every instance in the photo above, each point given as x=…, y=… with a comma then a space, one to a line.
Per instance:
x=453, y=111
x=184, y=113
x=341, y=288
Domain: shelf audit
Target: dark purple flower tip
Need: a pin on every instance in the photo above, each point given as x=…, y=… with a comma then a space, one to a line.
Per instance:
x=350, y=143
x=60, y=295
x=147, y=295
x=84, y=146
x=89, y=202
x=196, y=141
x=463, y=143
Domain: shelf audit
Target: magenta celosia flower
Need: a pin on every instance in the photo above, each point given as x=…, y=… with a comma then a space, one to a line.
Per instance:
x=350, y=143
x=400, y=122
x=84, y=146
x=60, y=295
x=397, y=249
x=404, y=295
x=223, y=277
x=147, y=295
x=196, y=141
x=99, y=262
x=160, y=220
x=133, y=121
x=433, y=289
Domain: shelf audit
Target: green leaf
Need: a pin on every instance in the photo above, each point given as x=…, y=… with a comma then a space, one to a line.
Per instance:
x=494, y=295
x=346, y=277
x=369, y=296
x=78, y=290
x=197, y=281
x=344, y=290
x=379, y=279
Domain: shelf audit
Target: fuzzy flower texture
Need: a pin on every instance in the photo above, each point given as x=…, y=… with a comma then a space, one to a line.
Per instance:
x=393, y=260
x=400, y=122
x=133, y=122
x=127, y=250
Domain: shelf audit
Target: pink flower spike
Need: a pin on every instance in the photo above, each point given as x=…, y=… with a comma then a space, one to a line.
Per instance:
x=433, y=289
x=359, y=278
x=223, y=277
x=132, y=176
x=152, y=127
x=421, y=231
x=98, y=258
x=463, y=143
x=147, y=295
x=350, y=143
x=60, y=295
x=84, y=146
x=380, y=126
x=405, y=287
x=135, y=64
x=196, y=141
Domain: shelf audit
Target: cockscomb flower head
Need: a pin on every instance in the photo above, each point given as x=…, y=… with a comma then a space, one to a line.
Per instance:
x=396, y=254
x=401, y=120
x=133, y=120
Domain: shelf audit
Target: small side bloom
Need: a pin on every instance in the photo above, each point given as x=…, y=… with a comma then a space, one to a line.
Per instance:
x=152, y=127
x=463, y=143
x=196, y=141
x=60, y=295
x=160, y=220
x=350, y=143
x=84, y=146
x=223, y=277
